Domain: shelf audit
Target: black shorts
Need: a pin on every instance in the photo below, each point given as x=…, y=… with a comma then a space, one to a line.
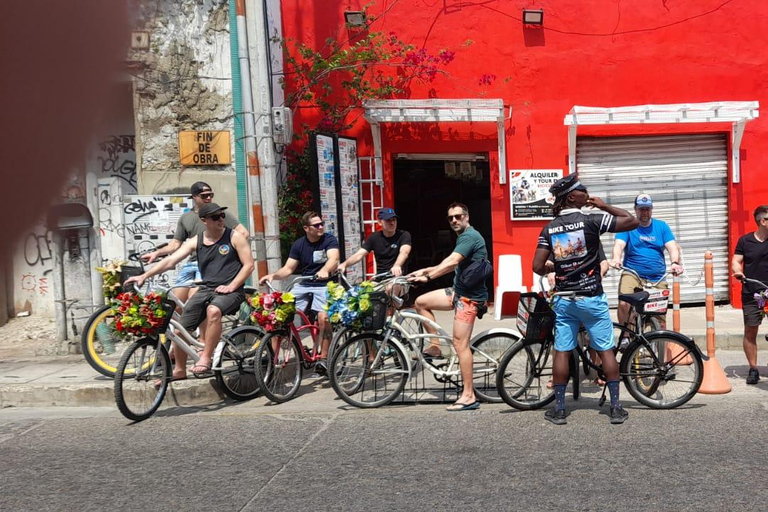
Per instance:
x=753, y=317
x=194, y=312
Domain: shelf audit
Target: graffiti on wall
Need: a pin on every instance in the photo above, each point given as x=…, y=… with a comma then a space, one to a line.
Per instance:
x=118, y=159
x=38, y=251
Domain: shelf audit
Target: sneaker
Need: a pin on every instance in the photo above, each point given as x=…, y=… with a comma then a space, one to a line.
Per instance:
x=321, y=367
x=618, y=415
x=556, y=416
x=753, y=376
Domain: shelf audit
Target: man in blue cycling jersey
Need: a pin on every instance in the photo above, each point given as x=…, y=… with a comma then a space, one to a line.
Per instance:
x=574, y=239
x=643, y=252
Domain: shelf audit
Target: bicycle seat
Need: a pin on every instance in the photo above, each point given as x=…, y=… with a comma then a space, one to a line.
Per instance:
x=637, y=300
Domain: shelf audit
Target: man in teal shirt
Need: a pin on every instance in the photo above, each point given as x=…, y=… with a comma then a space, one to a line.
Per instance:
x=466, y=302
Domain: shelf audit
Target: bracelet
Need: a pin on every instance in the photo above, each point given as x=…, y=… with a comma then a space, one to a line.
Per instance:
x=675, y=263
x=428, y=278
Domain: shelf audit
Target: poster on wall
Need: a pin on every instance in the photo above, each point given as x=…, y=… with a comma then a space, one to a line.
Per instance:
x=350, y=204
x=529, y=195
x=151, y=221
x=326, y=181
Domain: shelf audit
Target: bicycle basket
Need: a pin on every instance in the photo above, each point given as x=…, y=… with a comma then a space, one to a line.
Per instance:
x=378, y=316
x=535, y=319
x=127, y=271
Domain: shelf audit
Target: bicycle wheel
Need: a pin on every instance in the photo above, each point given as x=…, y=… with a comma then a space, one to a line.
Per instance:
x=366, y=372
x=340, y=336
x=279, y=374
x=664, y=373
x=524, y=374
x=651, y=323
x=235, y=374
x=142, y=379
x=100, y=345
x=487, y=351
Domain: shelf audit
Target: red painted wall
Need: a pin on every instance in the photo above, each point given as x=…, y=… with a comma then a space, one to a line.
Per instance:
x=596, y=53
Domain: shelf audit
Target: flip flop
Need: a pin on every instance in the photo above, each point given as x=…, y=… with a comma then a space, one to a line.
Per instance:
x=458, y=406
x=174, y=378
x=201, y=369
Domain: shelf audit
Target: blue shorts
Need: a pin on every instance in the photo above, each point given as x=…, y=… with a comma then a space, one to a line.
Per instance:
x=593, y=313
x=188, y=273
x=301, y=291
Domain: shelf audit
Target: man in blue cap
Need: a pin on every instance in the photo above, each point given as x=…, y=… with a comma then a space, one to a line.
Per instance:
x=643, y=252
x=578, y=269
x=391, y=246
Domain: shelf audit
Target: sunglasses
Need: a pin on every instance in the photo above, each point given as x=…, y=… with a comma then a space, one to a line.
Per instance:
x=206, y=195
x=318, y=225
x=216, y=217
x=457, y=217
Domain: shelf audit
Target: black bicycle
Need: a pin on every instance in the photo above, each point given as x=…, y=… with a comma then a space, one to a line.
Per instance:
x=660, y=369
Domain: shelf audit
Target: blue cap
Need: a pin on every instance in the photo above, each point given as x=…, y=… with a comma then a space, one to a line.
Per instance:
x=387, y=213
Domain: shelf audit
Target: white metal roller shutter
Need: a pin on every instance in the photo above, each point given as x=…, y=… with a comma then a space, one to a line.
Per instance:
x=687, y=177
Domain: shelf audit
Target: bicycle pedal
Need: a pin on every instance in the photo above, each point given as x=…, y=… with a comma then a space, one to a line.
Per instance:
x=601, y=402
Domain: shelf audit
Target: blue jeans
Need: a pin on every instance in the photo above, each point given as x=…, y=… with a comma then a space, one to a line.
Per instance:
x=593, y=313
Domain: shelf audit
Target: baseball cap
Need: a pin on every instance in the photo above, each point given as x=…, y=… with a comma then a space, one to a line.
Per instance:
x=198, y=188
x=644, y=201
x=387, y=213
x=210, y=209
x=565, y=185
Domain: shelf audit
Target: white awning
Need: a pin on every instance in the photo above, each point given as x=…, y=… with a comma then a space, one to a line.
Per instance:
x=435, y=111
x=736, y=112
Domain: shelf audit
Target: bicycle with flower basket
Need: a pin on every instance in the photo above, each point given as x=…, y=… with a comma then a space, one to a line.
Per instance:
x=284, y=349
x=145, y=369
x=761, y=297
x=372, y=368
x=101, y=344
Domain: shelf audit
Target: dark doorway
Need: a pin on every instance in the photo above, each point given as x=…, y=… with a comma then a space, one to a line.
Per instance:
x=423, y=191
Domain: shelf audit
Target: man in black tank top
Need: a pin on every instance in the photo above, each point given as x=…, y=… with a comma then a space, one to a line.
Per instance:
x=225, y=262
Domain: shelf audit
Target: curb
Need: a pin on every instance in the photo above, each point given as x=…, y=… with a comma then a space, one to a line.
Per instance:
x=101, y=394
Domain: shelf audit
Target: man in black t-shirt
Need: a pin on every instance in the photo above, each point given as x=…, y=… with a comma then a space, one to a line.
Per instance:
x=750, y=259
x=573, y=238
x=391, y=246
x=314, y=254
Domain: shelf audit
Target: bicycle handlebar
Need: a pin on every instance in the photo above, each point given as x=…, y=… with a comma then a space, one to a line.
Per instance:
x=641, y=279
x=746, y=279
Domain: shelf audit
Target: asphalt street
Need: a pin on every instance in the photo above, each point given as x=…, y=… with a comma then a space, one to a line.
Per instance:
x=316, y=453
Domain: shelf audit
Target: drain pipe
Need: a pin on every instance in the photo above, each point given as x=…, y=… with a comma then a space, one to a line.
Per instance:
x=255, y=214
x=59, y=293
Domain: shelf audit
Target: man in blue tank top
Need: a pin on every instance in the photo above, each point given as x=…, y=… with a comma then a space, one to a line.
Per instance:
x=225, y=261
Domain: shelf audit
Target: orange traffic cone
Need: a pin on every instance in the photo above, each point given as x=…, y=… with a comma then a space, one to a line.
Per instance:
x=715, y=382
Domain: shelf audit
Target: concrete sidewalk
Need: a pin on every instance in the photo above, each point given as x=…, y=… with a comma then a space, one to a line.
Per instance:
x=70, y=381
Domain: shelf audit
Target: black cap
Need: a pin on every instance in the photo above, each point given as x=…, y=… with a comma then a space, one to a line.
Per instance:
x=210, y=209
x=387, y=213
x=565, y=185
x=199, y=187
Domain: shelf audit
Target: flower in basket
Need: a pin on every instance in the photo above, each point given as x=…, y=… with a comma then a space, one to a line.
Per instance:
x=762, y=301
x=138, y=315
x=349, y=307
x=110, y=275
x=272, y=310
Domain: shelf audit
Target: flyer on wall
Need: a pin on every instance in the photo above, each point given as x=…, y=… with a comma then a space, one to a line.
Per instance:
x=529, y=193
x=327, y=182
x=350, y=203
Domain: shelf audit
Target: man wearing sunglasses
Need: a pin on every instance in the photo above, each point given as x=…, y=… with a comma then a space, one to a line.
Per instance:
x=225, y=260
x=466, y=303
x=315, y=254
x=188, y=226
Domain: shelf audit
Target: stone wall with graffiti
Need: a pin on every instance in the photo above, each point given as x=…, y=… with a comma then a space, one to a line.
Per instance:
x=31, y=284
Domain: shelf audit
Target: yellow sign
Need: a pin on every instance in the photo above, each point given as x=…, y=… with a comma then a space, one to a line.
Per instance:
x=204, y=148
